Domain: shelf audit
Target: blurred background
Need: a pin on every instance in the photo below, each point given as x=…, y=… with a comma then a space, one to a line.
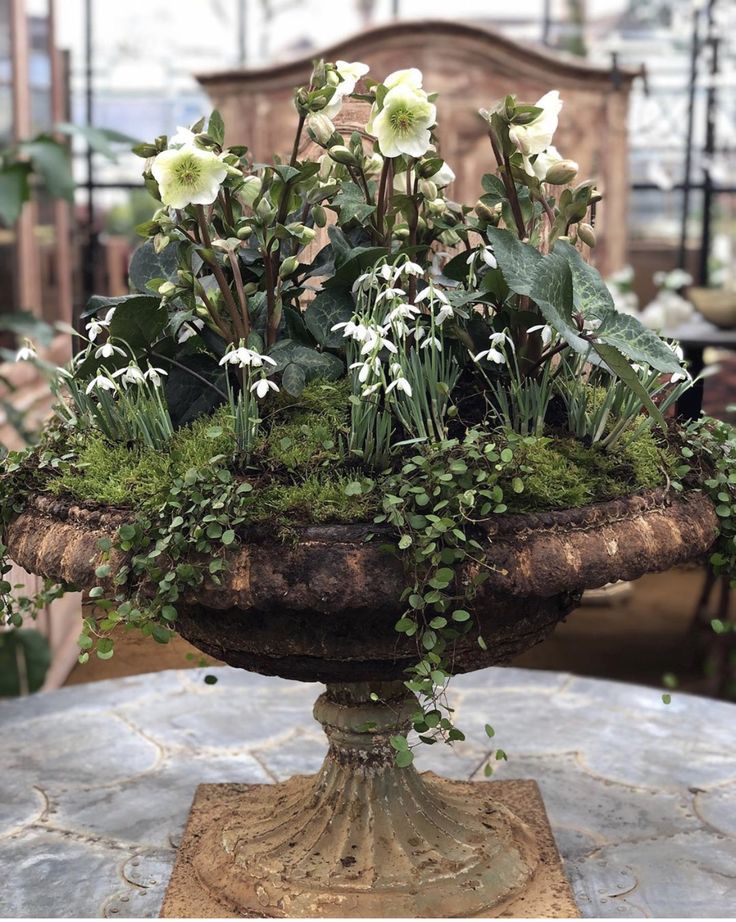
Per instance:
x=650, y=87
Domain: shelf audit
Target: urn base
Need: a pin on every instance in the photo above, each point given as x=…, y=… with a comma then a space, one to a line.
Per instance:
x=365, y=838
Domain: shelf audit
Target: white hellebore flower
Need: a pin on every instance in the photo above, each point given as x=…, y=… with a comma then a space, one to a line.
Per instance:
x=444, y=176
x=102, y=382
x=537, y=136
x=411, y=77
x=181, y=137
x=402, y=126
x=263, y=386
x=188, y=176
x=26, y=353
x=349, y=76
x=545, y=159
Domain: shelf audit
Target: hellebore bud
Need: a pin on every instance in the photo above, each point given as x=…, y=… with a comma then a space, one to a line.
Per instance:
x=244, y=232
x=485, y=213
x=437, y=207
x=561, y=172
x=288, y=266
x=341, y=154
x=586, y=234
x=428, y=188
x=250, y=190
x=265, y=210
x=373, y=164
x=450, y=238
x=321, y=128
x=319, y=215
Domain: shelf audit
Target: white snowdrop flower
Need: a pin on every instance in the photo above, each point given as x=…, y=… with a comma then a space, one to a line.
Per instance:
x=400, y=384
x=357, y=331
x=102, y=382
x=189, y=329
x=95, y=327
x=491, y=355
x=419, y=333
x=109, y=315
x=386, y=272
x=444, y=313
x=431, y=342
x=395, y=369
x=263, y=386
x=498, y=339
x=677, y=349
x=245, y=358
x=154, y=375
x=129, y=375
x=410, y=268
x=546, y=332
x=371, y=389
x=488, y=258
x=432, y=293
x=390, y=293
x=403, y=312
x=26, y=353
x=680, y=376
x=107, y=350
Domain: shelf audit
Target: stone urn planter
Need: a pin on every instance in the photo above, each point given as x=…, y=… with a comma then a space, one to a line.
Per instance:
x=363, y=837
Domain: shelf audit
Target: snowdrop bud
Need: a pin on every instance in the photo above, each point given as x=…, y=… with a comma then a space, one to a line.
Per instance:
x=586, y=234
x=428, y=189
x=319, y=215
x=288, y=266
x=341, y=154
x=561, y=172
x=250, y=190
x=321, y=128
x=166, y=288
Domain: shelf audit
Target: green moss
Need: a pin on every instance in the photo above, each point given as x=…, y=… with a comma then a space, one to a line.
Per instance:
x=317, y=499
x=564, y=473
x=309, y=431
x=120, y=476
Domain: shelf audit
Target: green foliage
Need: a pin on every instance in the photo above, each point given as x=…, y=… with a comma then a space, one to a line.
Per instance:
x=25, y=657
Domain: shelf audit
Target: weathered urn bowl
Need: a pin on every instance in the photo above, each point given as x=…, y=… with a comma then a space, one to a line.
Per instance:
x=362, y=837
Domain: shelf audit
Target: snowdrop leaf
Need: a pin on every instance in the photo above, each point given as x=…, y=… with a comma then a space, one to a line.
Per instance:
x=619, y=366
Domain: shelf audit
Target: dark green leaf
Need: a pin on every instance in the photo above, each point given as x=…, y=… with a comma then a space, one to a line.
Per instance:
x=331, y=306
x=146, y=264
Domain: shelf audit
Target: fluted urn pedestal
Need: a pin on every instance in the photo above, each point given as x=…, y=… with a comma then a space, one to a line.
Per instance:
x=363, y=837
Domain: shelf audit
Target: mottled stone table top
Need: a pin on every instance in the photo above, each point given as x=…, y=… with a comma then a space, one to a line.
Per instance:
x=96, y=782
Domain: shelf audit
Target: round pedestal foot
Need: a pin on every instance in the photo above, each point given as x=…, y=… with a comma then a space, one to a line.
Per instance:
x=363, y=838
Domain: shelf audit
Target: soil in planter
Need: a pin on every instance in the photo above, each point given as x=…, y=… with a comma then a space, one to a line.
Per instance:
x=301, y=469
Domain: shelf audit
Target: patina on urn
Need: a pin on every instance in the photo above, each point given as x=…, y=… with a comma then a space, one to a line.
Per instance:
x=362, y=837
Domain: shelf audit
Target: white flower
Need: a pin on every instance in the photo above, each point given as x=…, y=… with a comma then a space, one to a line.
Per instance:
x=245, y=358
x=431, y=342
x=349, y=76
x=130, y=375
x=26, y=353
x=403, y=312
x=545, y=159
x=536, y=136
x=400, y=384
x=263, y=386
x=390, y=293
x=411, y=77
x=154, y=375
x=95, y=327
x=188, y=176
x=102, y=382
x=371, y=389
x=387, y=272
x=403, y=124
x=444, y=313
x=492, y=355
x=410, y=268
x=546, y=332
x=189, y=329
x=250, y=189
x=321, y=127
x=373, y=164
x=107, y=350
x=432, y=293
x=486, y=254
x=181, y=137
x=443, y=177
